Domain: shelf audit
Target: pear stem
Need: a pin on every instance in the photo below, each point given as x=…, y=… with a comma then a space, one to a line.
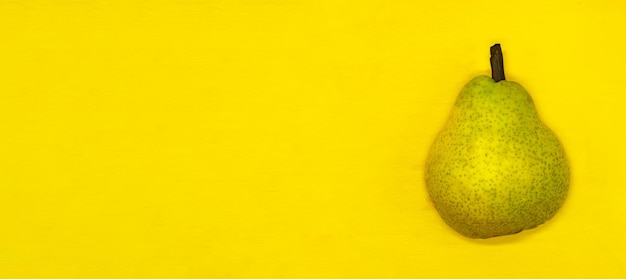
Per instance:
x=497, y=63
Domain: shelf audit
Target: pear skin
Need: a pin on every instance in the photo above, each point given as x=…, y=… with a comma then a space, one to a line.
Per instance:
x=495, y=168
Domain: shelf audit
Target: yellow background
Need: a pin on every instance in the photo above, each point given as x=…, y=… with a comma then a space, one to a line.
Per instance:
x=286, y=139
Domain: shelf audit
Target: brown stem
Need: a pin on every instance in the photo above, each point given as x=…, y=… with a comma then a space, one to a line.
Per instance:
x=497, y=63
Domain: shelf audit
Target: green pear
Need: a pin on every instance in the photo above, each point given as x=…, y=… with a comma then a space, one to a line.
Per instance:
x=495, y=168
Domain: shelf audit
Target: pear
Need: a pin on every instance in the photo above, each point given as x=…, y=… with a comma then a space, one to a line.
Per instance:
x=495, y=168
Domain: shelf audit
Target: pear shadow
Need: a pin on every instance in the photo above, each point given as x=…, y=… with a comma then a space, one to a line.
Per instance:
x=498, y=240
x=504, y=239
x=509, y=239
x=512, y=238
x=520, y=236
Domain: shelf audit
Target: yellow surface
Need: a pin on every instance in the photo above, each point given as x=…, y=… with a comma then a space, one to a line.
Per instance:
x=286, y=139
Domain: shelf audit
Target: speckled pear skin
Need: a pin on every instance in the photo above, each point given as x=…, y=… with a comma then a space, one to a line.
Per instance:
x=495, y=169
